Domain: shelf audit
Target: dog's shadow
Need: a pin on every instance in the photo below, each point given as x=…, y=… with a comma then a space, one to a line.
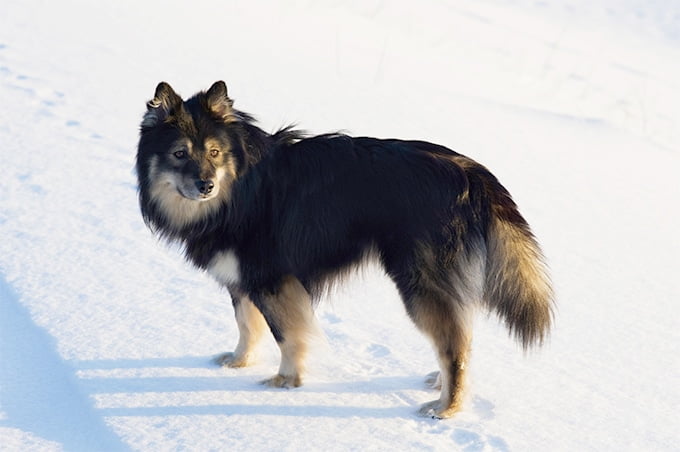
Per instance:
x=196, y=386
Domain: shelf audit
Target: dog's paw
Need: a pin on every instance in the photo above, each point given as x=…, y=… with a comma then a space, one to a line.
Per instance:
x=434, y=380
x=283, y=381
x=434, y=410
x=231, y=359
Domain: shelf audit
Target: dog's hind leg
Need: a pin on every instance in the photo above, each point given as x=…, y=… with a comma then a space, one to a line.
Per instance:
x=290, y=316
x=448, y=325
x=440, y=290
x=251, y=327
x=439, y=298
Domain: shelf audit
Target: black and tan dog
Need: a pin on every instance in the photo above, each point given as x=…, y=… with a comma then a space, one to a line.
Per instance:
x=276, y=218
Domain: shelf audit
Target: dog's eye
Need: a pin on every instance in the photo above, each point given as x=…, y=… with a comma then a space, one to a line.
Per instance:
x=214, y=152
x=180, y=154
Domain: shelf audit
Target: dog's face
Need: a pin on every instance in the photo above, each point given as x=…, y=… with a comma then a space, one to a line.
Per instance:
x=187, y=157
x=193, y=170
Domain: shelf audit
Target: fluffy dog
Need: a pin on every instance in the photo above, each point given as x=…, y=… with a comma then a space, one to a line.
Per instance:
x=277, y=218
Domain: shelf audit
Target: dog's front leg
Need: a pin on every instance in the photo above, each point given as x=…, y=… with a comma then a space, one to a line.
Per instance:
x=290, y=316
x=251, y=327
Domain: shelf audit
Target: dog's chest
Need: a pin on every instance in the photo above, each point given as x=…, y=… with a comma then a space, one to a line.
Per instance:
x=224, y=267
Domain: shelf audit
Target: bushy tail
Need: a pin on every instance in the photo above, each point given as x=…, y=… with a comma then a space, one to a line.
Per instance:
x=516, y=282
x=517, y=286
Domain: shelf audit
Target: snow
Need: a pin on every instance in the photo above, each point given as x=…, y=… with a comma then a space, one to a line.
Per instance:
x=106, y=335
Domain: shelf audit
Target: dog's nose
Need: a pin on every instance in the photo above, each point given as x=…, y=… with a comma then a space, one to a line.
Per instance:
x=205, y=186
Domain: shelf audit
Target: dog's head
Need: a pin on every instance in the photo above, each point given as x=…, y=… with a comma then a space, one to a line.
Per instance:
x=188, y=152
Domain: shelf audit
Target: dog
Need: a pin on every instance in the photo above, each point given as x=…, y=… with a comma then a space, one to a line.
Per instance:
x=278, y=218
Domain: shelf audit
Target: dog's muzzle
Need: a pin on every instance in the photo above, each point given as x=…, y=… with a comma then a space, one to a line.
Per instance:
x=205, y=187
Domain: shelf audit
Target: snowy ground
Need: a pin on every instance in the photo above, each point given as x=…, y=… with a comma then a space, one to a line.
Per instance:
x=106, y=335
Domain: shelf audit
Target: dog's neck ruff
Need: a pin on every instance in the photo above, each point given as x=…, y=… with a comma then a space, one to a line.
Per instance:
x=180, y=214
x=174, y=217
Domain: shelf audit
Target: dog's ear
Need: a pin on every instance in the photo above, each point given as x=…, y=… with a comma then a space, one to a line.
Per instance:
x=218, y=102
x=165, y=103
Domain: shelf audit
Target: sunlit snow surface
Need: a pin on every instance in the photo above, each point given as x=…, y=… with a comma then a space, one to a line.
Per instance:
x=106, y=335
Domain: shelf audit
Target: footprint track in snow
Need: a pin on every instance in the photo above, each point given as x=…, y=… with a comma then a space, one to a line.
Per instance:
x=473, y=436
x=469, y=440
x=378, y=351
x=50, y=103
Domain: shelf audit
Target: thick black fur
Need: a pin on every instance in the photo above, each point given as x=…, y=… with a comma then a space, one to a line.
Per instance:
x=313, y=207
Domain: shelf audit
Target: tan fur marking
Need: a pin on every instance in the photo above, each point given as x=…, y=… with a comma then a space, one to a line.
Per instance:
x=251, y=327
x=436, y=276
x=448, y=325
x=179, y=210
x=230, y=165
x=442, y=310
x=518, y=286
x=292, y=309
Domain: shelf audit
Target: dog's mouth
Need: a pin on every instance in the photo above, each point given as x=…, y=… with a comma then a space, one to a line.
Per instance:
x=200, y=190
x=196, y=195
